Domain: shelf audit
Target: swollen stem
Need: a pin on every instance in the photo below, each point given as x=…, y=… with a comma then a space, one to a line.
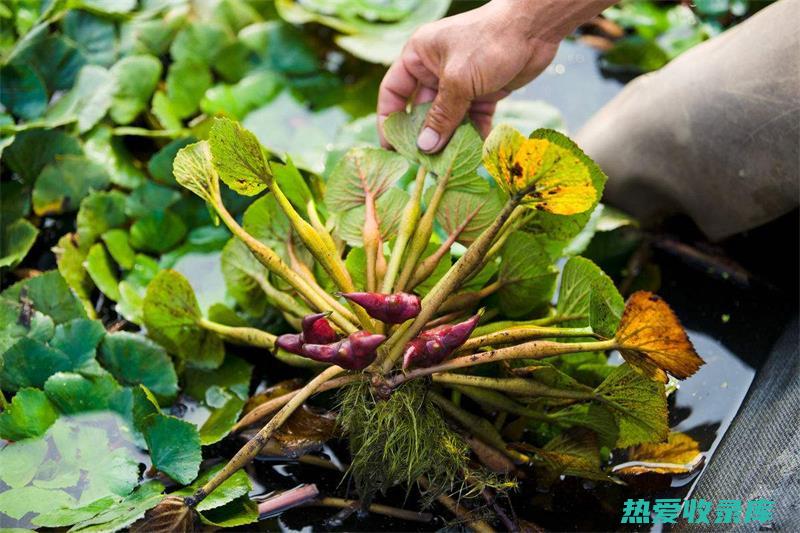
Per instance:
x=447, y=285
x=408, y=222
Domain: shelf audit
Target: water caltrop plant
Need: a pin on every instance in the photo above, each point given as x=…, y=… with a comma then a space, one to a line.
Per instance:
x=421, y=287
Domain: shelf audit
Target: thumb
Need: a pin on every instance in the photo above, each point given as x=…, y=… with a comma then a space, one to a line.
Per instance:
x=444, y=116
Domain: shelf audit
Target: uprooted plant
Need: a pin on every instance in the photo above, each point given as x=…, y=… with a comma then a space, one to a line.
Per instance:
x=409, y=275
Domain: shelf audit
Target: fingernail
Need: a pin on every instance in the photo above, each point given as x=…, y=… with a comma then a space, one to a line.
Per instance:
x=427, y=140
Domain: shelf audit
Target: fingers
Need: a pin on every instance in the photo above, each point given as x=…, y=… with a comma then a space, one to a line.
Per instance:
x=396, y=88
x=446, y=112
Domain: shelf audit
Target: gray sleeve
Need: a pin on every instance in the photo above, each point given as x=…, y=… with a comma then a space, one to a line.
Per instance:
x=714, y=134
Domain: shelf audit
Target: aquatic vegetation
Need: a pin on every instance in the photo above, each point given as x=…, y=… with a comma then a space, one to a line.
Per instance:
x=418, y=289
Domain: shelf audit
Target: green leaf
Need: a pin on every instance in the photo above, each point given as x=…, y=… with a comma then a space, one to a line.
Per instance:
x=95, y=461
x=265, y=221
x=63, y=184
x=234, y=375
x=526, y=274
x=222, y=419
x=117, y=244
x=475, y=211
x=199, y=41
x=136, y=77
x=88, y=101
x=244, y=277
x=583, y=284
x=29, y=415
x=109, y=151
x=605, y=307
x=194, y=170
x=389, y=207
x=594, y=417
x=640, y=406
x=74, y=393
x=149, y=197
x=100, y=212
x=107, y=7
x=360, y=173
x=572, y=453
x=35, y=149
x=460, y=156
x=238, y=157
x=438, y=273
x=171, y=314
x=292, y=183
x=164, y=110
x=49, y=294
x=174, y=447
x=95, y=37
x=78, y=339
x=18, y=239
x=22, y=91
x=134, y=360
x=237, y=100
x=70, y=257
x=233, y=487
x=187, y=82
x=102, y=270
x=66, y=516
x=131, y=509
x=160, y=165
x=157, y=232
x=239, y=512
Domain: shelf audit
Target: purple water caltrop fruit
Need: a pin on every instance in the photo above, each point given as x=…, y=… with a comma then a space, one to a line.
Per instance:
x=435, y=345
x=290, y=342
x=355, y=352
x=388, y=308
x=317, y=329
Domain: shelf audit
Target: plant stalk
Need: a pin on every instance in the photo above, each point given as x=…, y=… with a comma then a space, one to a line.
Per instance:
x=408, y=223
x=240, y=335
x=468, y=299
x=249, y=451
x=520, y=334
x=477, y=426
x=528, y=350
x=267, y=408
x=447, y=285
x=429, y=264
x=326, y=257
x=477, y=525
x=372, y=236
x=518, y=386
x=385, y=510
x=422, y=234
x=275, y=264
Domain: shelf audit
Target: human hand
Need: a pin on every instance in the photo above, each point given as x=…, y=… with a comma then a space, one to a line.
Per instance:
x=466, y=63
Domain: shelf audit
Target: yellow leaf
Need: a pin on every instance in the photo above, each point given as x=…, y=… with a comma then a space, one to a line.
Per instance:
x=653, y=341
x=548, y=168
x=679, y=455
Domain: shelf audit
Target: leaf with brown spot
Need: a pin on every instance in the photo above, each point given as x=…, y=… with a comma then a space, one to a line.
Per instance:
x=172, y=515
x=548, y=167
x=679, y=455
x=653, y=341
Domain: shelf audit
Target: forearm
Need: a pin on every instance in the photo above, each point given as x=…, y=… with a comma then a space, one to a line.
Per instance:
x=548, y=20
